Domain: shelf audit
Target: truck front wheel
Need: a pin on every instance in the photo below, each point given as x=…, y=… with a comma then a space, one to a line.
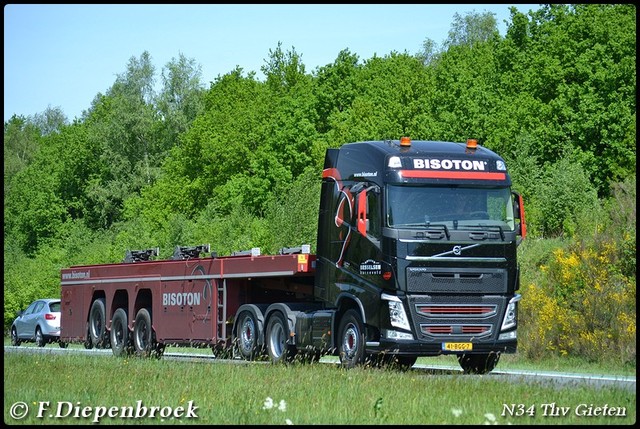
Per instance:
x=352, y=341
x=120, y=333
x=478, y=364
x=277, y=335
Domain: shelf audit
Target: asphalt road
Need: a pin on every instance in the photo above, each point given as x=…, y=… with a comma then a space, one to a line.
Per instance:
x=559, y=379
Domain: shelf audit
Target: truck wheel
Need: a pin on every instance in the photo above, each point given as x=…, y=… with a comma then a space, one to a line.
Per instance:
x=400, y=362
x=247, y=335
x=277, y=335
x=97, y=321
x=478, y=364
x=143, y=337
x=351, y=335
x=15, y=341
x=119, y=333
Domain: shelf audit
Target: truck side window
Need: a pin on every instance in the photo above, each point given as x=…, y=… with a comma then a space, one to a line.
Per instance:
x=373, y=214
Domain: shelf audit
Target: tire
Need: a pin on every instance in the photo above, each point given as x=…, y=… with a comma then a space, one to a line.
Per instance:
x=159, y=350
x=478, y=364
x=351, y=349
x=62, y=344
x=40, y=340
x=403, y=363
x=277, y=334
x=144, y=342
x=247, y=336
x=120, y=333
x=15, y=341
x=88, y=343
x=97, y=324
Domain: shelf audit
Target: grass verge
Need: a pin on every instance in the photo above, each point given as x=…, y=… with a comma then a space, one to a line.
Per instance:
x=75, y=389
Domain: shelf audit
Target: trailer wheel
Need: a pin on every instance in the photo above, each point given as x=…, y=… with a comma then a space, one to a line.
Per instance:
x=351, y=335
x=159, y=350
x=247, y=335
x=120, y=333
x=277, y=335
x=88, y=343
x=97, y=324
x=143, y=336
x=478, y=364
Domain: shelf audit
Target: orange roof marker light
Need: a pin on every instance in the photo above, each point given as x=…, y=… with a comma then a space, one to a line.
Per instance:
x=405, y=141
x=472, y=143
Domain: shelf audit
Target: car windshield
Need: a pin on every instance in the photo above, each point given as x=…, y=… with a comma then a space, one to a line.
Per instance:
x=452, y=206
x=54, y=307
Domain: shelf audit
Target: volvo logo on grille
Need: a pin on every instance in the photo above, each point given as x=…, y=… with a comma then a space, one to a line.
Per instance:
x=457, y=250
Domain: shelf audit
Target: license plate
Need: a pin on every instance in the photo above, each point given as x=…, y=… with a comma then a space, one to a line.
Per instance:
x=457, y=347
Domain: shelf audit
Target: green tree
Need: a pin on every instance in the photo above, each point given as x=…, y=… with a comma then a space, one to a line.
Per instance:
x=122, y=123
x=181, y=98
x=564, y=194
x=21, y=142
x=471, y=28
x=576, y=65
x=50, y=121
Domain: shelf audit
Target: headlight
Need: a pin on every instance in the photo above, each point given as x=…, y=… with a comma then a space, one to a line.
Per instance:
x=510, y=317
x=397, y=315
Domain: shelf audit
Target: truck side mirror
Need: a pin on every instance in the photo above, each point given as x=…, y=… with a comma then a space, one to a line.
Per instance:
x=518, y=213
x=362, y=213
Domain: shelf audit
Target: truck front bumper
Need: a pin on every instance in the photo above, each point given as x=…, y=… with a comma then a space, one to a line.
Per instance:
x=419, y=348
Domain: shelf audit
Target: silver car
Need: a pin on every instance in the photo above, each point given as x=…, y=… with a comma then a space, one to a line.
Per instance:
x=39, y=323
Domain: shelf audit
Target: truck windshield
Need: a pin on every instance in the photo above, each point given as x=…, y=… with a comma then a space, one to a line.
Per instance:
x=452, y=206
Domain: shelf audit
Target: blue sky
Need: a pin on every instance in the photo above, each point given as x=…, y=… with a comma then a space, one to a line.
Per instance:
x=63, y=55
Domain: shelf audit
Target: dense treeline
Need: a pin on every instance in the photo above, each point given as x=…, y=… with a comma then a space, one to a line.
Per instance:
x=237, y=164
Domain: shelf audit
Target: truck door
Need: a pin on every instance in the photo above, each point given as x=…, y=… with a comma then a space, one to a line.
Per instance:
x=364, y=256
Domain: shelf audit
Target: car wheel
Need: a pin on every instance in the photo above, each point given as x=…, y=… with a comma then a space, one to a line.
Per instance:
x=15, y=341
x=40, y=342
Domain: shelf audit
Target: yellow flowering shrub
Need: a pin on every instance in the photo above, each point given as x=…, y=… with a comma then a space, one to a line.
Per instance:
x=583, y=305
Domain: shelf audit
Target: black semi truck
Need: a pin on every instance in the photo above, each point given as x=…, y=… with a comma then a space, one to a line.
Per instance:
x=416, y=256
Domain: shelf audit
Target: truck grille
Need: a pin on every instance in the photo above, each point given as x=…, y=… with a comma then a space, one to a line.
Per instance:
x=449, y=330
x=433, y=279
x=456, y=317
x=449, y=310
